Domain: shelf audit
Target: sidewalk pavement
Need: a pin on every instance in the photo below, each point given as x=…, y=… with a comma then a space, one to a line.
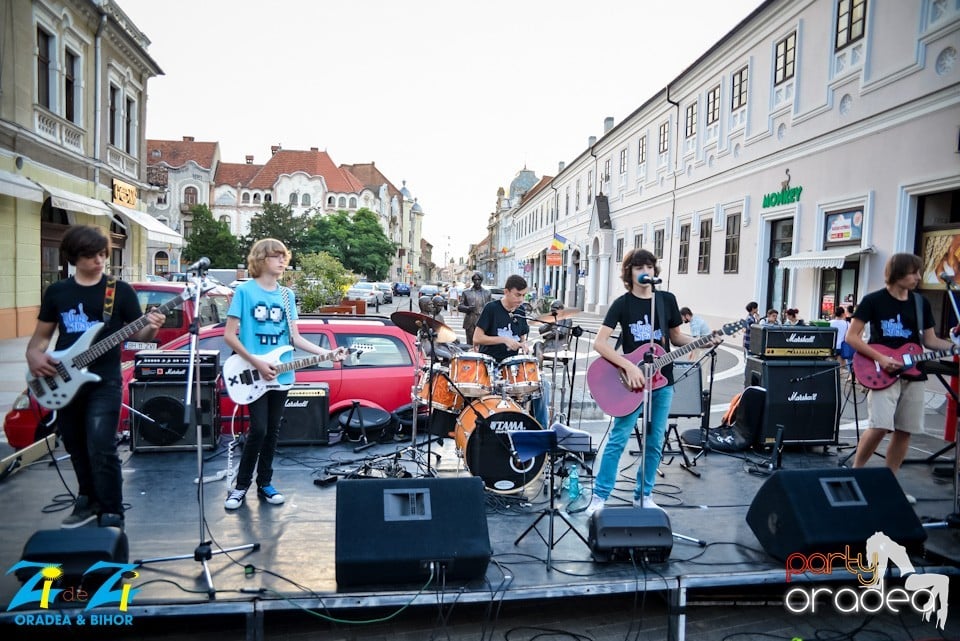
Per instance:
x=13, y=368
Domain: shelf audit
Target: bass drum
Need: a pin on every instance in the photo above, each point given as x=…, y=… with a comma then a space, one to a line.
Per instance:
x=482, y=437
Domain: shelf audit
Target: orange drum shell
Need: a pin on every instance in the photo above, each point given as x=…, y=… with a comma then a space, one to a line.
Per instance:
x=467, y=422
x=445, y=397
x=473, y=374
x=520, y=374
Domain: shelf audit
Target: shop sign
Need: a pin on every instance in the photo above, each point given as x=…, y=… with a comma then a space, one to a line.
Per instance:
x=124, y=194
x=782, y=197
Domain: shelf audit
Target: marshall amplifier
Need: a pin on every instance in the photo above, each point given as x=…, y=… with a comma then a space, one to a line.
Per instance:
x=171, y=365
x=306, y=415
x=792, y=341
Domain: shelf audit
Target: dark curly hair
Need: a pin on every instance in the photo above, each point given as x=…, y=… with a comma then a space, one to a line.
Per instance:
x=637, y=258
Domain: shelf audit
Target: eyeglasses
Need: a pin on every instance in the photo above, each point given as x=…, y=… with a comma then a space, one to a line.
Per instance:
x=278, y=256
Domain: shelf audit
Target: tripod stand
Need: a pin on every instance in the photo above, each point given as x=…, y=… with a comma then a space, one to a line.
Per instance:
x=204, y=550
x=527, y=445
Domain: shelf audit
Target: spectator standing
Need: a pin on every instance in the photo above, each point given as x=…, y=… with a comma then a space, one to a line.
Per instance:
x=792, y=317
x=753, y=317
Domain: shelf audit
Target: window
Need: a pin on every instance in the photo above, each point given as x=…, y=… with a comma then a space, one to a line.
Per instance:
x=683, y=261
x=851, y=15
x=786, y=58
x=294, y=199
x=703, y=255
x=129, y=126
x=190, y=196
x=353, y=202
x=566, y=202
x=731, y=246
x=245, y=198
x=342, y=201
x=664, y=143
x=637, y=240
x=330, y=201
x=589, y=187
x=690, y=122
x=606, y=170
x=225, y=219
x=44, y=57
x=739, y=89
x=619, y=256
x=114, y=108
x=70, y=86
x=713, y=105
x=256, y=199
x=623, y=161
x=305, y=200
x=268, y=198
x=658, y=243
x=642, y=150
x=576, y=198
x=162, y=198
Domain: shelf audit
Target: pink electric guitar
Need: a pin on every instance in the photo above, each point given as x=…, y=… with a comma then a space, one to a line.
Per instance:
x=872, y=376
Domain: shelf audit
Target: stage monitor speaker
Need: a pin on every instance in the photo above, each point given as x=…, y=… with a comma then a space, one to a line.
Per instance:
x=824, y=510
x=803, y=397
x=75, y=553
x=306, y=415
x=157, y=422
x=687, y=390
x=625, y=533
x=391, y=530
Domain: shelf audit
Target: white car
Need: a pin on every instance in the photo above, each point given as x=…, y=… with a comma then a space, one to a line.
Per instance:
x=366, y=292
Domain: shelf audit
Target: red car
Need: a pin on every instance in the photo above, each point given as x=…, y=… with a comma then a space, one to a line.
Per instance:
x=381, y=377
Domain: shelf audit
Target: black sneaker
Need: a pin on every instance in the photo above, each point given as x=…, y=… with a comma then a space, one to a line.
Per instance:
x=83, y=512
x=109, y=519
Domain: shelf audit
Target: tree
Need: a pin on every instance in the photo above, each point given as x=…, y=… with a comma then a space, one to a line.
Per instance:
x=357, y=241
x=211, y=238
x=278, y=221
x=322, y=280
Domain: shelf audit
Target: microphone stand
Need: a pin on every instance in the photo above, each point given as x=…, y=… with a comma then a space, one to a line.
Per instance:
x=203, y=552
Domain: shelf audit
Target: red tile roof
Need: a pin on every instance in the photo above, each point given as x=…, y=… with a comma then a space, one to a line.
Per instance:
x=312, y=163
x=372, y=178
x=536, y=188
x=177, y=153
x=234, y=173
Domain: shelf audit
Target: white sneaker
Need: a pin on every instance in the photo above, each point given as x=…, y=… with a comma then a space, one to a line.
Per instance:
x=596, y=503
x=234, y=499
x=911, y=499
x=648, y=502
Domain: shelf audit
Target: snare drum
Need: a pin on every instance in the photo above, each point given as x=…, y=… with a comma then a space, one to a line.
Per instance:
x=488, y=452
x=520, y=376
x=444, y=396
x=473, y=374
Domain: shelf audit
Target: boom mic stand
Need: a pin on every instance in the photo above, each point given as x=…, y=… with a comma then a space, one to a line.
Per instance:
x=204, y=551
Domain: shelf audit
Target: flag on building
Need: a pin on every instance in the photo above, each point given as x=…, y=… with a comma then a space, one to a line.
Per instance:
x=559, y=242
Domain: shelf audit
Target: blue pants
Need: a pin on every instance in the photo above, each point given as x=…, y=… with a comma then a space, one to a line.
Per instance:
x=606, y=477
x=261, y=443
x=88, y=427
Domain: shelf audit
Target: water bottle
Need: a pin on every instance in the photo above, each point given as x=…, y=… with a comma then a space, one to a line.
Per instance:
x=574, y=490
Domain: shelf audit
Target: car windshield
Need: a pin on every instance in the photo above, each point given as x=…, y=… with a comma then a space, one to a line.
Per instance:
x=363, y=286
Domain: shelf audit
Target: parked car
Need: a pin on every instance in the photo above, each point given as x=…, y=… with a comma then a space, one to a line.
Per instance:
x=380, y=377
x=401, y=289
x=366, y=292
x=386, y=291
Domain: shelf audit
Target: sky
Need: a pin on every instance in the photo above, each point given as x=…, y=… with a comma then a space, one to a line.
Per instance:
x=453, y=96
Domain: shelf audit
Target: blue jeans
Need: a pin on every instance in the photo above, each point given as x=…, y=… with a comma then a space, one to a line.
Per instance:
x=88, y=427
x=261, y=443
x=606, y=477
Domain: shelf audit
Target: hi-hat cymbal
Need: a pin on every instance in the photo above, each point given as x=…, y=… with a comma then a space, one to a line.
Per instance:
x=563, y=313
x=414, y=323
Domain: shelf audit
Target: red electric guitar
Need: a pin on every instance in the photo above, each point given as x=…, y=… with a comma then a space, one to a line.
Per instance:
x=609, y=387
x=871, y=375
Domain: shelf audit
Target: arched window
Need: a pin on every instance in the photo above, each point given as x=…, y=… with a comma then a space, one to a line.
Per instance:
x=342, y=202
x=268, y=198
x=293, y=199
x=305, y=200
x=353, y=202
x=161, y=264
x=245, y=198
x=190, y=196
x=331, y=201
x=225, y=219
x=256, y=199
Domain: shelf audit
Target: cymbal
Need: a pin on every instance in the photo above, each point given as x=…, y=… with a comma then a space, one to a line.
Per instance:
x=563, y=313
x=413, y=323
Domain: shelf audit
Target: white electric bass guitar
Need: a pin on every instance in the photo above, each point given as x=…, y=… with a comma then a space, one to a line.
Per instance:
x=55, y=392
x=245, y=384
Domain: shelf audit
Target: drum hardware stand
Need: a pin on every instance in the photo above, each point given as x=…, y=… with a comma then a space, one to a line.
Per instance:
x=365, y=443
x=856, y=417
x=706, y=399
x=549, y=445
x=204, y=551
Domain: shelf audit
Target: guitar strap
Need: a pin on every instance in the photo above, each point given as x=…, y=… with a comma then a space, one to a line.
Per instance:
x=109, y=295
x=285, y=293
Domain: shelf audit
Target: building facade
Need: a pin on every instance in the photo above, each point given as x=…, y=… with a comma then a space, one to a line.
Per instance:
x=784, y=166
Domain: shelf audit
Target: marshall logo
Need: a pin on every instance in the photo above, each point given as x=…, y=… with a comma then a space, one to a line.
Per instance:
x=291, y=403
x=797, y=397
x=800, y=338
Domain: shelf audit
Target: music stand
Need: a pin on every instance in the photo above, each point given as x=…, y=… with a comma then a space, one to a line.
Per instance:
x=526, y=445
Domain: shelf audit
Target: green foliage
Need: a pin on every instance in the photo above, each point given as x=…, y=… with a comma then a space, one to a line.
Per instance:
x=278, y=221
x=211, y=238
x=322, y=280
x=357, y=241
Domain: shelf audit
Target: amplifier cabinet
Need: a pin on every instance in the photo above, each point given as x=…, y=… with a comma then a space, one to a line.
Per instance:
x=792, y=341
x=306, y=415
x=158, y=413
x=802, y=397
x=172, y=365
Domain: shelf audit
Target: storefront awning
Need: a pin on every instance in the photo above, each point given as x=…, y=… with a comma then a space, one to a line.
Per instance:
x=62, y=199
x=157, y=232
x=832, y=258
x=536, y=252
x=20, y=187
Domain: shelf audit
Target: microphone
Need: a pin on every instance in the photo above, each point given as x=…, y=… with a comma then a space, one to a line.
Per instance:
x=647, y=279
x=203, y=263
x=948, y=279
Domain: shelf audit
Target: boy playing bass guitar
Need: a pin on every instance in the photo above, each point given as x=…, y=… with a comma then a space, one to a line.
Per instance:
x=892, y=314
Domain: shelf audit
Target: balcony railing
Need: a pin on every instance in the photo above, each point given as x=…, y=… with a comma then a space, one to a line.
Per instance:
x=58, y=130
x=123, y=162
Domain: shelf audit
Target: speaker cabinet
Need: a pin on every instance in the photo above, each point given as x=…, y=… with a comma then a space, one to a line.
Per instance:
x=391, y=530
x=807, y=511
x=627, y=532
x=306, y=415
x=803, y=397
x=75, y=552
x=157, y=423
x=687, y=390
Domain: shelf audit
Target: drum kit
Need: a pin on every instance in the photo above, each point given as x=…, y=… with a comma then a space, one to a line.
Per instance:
x=476, y=400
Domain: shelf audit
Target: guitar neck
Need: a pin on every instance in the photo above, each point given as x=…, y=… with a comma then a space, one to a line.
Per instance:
x=303, y=362
x=673, y=355
x=929, y=356
x=101, y=347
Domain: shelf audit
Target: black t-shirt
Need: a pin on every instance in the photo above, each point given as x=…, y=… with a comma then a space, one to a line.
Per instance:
x=632, y=314
x=893, y=323
x=75, y=308
x=495, y=320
